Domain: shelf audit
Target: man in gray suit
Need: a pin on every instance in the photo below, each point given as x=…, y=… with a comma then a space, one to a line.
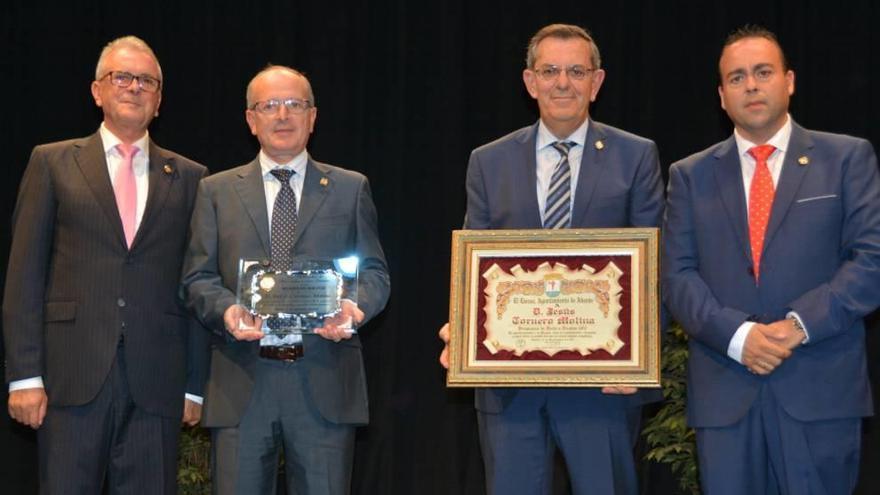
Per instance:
x=99, y=348
x=566, y=170
x=303, y=395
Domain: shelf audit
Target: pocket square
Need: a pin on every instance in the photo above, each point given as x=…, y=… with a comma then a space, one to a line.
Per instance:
x=814, y=198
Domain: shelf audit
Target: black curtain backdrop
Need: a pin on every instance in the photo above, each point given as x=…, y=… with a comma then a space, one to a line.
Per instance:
x=405, y=90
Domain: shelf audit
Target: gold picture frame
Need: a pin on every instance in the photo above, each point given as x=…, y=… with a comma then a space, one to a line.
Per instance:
x=555, y=308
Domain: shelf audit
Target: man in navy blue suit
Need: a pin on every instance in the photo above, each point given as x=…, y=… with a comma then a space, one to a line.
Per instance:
x=511, y=184
x=771, y=258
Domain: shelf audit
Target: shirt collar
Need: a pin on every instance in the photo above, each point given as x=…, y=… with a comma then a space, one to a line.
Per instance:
x=110, y=141
x=298, y=164
x=546, y=138
x=778, y=141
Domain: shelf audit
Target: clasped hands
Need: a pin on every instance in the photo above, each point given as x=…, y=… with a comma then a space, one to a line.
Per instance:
x=444, y=361
x=242, y=325
x=767, y=346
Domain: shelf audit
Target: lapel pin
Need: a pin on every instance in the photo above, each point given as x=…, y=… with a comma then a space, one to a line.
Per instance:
x=167, y=169
x=324, y=181
x=803, y=160
x=599, y=145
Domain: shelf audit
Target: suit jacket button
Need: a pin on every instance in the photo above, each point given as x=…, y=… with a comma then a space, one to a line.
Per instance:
x=120, y=302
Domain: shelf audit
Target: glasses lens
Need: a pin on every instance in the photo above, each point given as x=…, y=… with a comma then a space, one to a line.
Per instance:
x=577, y=72
x=121, y=79
x=548, y=72
x=148, y=83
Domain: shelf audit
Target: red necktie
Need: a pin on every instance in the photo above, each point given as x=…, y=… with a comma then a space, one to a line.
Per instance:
x=125, y=189
x=761, y=195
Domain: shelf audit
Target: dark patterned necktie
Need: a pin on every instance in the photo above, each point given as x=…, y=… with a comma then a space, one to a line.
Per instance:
x=283, y=221
x=557, y=211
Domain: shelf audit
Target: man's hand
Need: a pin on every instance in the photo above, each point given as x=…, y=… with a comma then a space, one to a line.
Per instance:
x=761, y=354
x=192, y=412
x=28, y=406
x=785, y=333
x=619, y=390
x=340, y=326
x=241, y=324
x=444, y=336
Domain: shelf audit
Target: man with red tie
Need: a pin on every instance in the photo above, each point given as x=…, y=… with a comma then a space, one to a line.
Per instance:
x=771, y=260
x=100, y=351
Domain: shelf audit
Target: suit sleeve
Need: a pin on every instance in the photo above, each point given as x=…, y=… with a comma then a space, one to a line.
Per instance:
x=202, y=285
x=374, y=285
x=33, y=223
x=198, y=346
x=685, y=293
x=477, y=216
x=646, y=199
x=854, y=290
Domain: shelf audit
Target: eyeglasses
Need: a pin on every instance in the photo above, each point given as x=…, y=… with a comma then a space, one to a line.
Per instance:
x=123, y=79
x=273, y=106
x=551, y=72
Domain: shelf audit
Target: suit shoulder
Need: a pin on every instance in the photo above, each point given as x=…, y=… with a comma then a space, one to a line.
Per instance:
x=699, y=159
x=822, y=138
x=57, y=148
x=340, y=172
x=621, y=135
x=227, y=175
x=514, y=138
x=185, y=165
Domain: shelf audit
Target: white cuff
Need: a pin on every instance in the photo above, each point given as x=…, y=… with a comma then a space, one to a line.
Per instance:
x=194, y=398
x=35, y=382
x=738, y=341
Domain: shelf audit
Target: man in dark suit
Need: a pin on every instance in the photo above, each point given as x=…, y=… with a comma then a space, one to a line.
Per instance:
x=303, y=395
x=614, y=181
x=99, y=349
x=771, y=257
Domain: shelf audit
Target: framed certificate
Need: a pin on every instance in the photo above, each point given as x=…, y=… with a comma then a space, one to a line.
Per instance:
x=555, y=308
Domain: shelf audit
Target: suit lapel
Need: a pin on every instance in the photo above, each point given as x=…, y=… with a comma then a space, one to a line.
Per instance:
x=525, y=178
x=728, y=178
x=799, y=145
x=162, y=171
x=92, y=162
x=317, y=185
x=590, y=171
x=249, y=187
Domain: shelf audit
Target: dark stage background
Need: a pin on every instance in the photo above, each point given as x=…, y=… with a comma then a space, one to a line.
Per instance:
x=405, y=90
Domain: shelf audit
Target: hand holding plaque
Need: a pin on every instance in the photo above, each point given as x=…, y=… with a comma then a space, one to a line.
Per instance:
x=312, y=295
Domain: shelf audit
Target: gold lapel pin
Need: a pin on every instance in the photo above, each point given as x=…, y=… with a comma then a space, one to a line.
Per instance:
x=324, y=181
x=803, y=160
x=599, y=145
x=167, y=169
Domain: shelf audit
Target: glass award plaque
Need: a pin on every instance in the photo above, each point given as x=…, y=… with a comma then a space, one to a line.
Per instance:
x=298, y=300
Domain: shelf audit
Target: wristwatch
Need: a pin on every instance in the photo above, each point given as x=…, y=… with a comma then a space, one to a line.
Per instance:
x=800, y=328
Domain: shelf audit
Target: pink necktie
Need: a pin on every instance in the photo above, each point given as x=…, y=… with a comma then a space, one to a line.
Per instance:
x=126, y=191
x=761, y=195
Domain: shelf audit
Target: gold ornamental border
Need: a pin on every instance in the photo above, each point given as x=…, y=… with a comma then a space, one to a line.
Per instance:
x=643, y=372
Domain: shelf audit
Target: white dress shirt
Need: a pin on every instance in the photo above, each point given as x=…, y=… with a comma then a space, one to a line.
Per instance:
x=547, y=157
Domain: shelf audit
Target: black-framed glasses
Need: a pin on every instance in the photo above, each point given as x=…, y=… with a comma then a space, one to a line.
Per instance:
x=123, y=79
x=551, y=72
x=273, y=106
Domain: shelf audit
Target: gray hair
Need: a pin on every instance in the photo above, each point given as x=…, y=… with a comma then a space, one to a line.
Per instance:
x=249, y=101
x=129, y=42
x=563, y=32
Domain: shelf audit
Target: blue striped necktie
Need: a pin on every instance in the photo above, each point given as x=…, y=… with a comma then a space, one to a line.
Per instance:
x=557, y=212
